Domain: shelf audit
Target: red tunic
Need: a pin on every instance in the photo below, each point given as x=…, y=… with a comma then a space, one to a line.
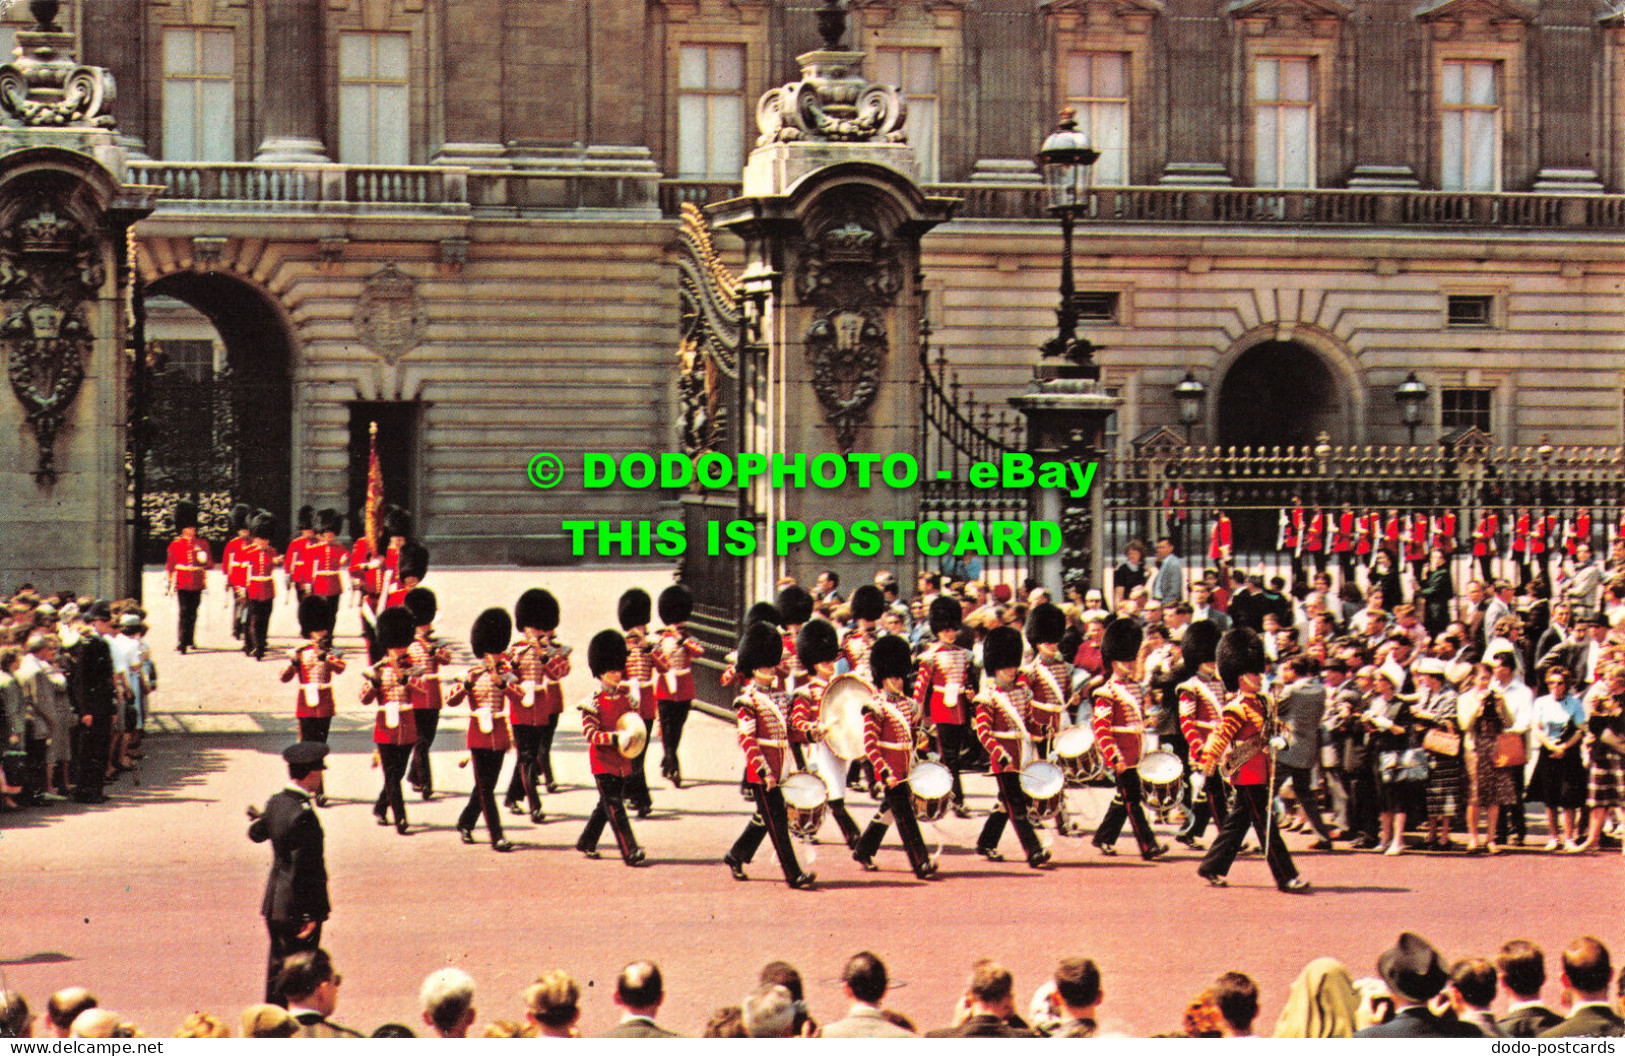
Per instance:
x=1416, y=546
x=1218, y=547
x=673, y=658
x=539, y=696
x=888, y=736
x=763, y=718
x=260, y=563
x=367, y=570
x=640, y=673
x=794, y=674
x=1444, y=532
x=855, y=648
x=490, y=695
x=1243, y=721
x=1001, y=724
x=1540, y=528
x=388, y=687
x=804, y=705
x=326, y=569
x=1343, y=537
x=939, y=688
x=187, y=561
x=1050, y=683
x=298, y=560
x=1119, y=722
x=1579, y=532
x=1370, y=526
x=1391, y=531
x=1484, y=535
x=599, y=714
x=315, y=700
x=1520, y=533
x=1314, y=537
x=427, y=655
x=1200, y=701
x=1291, y=527
x=231, y=563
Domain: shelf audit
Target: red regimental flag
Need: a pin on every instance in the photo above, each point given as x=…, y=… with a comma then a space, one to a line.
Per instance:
x=374, y=509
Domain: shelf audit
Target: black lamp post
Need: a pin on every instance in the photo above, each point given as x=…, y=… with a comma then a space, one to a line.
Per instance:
x=1065, y=160
x=1411, y=394
x=1189, y=392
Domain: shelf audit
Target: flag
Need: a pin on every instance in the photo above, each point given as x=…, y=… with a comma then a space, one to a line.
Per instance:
x=373, y=511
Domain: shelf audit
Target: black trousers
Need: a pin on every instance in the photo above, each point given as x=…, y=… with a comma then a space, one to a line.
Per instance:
x=1512, y=817
x=953, y=743
x=35, y=780
x=239, y=615
x=1362, y=791
x=188, y=600
x=1213, y=804
x=395, y=758
x=898, y=803
x=527, y=744
x=1486, y=573
x=421, y=772
x=544, y=751
x=259, y=628
x=285, y=941
x=1251, y=811
x=772, y=821
x=1307, y=799
x=637, y=785
x=673, y=717
x=1127, y=805
x=315, y=729
x=483, y=798
x=611, y=809
x=1012, y=806
x=1345, y=565
x=90, y=756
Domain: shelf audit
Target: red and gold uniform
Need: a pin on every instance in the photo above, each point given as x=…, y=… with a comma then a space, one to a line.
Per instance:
x=763, y=722
x=673, y=656
x=541, y=664
x=1444, y=532
x=298, y=563
x=640, y=677
x=855, y=647
x=1219, y=542
x=489, y=691
x=186, y=563
x=258, y=562
x=231, y=563
x=327, y=562
x=1201, y=700
x=1001, y=724
x=394, y=730
x=610, y=769
x=427, y=656
x=1579, y=532
x=888, y=741
x=1119, y=724
x=1048, y=678
x=313, y=665
x=1243, y=729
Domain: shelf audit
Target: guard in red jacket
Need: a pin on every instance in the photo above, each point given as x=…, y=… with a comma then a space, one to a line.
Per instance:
x=673, y=657
x=428, y=656
x=600, y=715
x=1001, y=725
x=1219, y=544
x=888, y=739
x=1119, y=722
x=635, y=610
x=1243, y=750
x=186, y=563
x=489, y=690
x=368, y=578
x=236, y=570
x=1314, y=539
x=818, y=645
x=314, y=664
x=1201, y=698
x=1579, y=531
x=764, y=736
x=296, y=562
x=1049, y=681
x=1444, y=531
x=943, y=688
x=1417, y=543
x=1485, y=545
x=541, y=663
x=1344, y=536
x=795, y=607
x=327, y=560
x=259, y=561
x=394, y=730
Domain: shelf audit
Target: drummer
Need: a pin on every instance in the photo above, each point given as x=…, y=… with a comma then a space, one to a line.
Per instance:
x=1119, y=720
x=764, y=734
x=888, y=739
x=1201, y=699
x=601, y=714
x=1002, y=726
x=1049, y=677
x=941, y=689
x=818, y=646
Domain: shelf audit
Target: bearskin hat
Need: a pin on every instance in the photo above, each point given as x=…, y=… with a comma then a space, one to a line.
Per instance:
x=868, y=603
x=537, y=608
x=818, y=643
x=412, y=561
x=1122, y=642
x=635, y=608
x=1046, y=623
x=240, y=515
x=606, y=652
x=760, y=646
x=314, y=615
x=1002, y=649
x=423, y=605
x=328, y=520
x=946, y=614
x=1200, y=644
x=890, y=658
x=185, y=515
x=492, y=631
x=262, y=525
x=676, y=604
x=305, y=518
x=763, y=612
x=397, y=522
x=795, y=605
x=1241, y=652
x=395, y=627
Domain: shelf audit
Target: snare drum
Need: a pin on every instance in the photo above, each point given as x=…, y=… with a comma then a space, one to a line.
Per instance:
x=805, y=799
x=1077, y=755
x=1044, y=785
x=1162, y=778
x=932, y=786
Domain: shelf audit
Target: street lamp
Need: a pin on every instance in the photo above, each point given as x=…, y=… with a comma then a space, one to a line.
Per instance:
x=1411, y=394
x=1189, y=392
x=1065, y=160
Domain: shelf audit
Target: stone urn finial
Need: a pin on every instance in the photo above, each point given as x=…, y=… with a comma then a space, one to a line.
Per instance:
x=44, y=12
x=832, y=24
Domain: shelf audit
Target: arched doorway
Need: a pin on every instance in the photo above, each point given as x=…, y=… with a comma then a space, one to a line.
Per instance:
x=219, y=400
x=1279, y=393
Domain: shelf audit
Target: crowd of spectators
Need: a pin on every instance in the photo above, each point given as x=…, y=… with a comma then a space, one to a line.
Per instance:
x=1415, y=992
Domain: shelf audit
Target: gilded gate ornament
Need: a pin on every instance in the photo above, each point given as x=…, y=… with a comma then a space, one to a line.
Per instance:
x=711, y=331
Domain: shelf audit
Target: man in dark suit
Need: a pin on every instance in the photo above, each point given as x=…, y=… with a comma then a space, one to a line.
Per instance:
x=989, y=1006
x=95, y=703
x=295, y=901
x=1587, y=970
x=1415, y=974
x=1522, y=967
x=311, y=987
x=640, y=991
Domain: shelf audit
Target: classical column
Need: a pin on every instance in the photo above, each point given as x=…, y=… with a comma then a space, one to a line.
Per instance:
x=295, y=93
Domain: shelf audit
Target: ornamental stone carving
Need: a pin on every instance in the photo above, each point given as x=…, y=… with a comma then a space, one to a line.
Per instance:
x=833, y=101
x=389, y=315
x=46, y=87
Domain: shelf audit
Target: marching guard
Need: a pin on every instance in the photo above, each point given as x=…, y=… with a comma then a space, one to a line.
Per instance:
x=490, y=691
x=235, y=569
x=313, y=664
x=1001, y=725
x=795, y=607
x=818, y=646
x=296, y=562
x=888, y=739
x=541, y=664
x=601, y=714
x=1201, y=699
x=1049, y=680
x=327, y=560
x=1485, y=544
x=673, y=657
x=427, y=656
x=187, y=562
x=635, y=610
x=368, y=578
x=764, y=736
x=868, y=605
x=1119, y=722
x=394, y=730
x=259, y=561
x=942, y=688
x=1243, y=750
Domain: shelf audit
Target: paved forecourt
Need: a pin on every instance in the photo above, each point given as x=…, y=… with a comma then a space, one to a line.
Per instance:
x=152, y=900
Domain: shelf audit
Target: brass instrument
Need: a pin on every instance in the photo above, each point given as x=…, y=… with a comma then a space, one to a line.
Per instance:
x=631, y=735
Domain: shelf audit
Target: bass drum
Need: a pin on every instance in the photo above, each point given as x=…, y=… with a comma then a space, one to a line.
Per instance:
x=841, y=714
x=1078, y=756
x=932, y=786
x=1044, y=785
x=1162, y=779
x=805, y=799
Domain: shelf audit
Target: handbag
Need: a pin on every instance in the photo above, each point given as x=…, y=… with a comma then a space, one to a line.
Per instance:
x=1442, y=742
x=1398, y=768
x=1511, y=750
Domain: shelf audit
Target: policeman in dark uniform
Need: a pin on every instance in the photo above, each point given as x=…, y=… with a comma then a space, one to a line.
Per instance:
x=296, y=893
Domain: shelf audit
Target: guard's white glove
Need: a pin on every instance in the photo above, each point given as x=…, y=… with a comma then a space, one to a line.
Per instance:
x=1278, y=743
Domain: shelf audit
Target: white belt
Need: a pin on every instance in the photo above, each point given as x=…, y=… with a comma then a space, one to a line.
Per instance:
x=1128, y=729
x=260, y=579
x=530, y=694
x=1052, y=708
x=312, y=692
x=763, y=743
x=189, y=568
x=894, y=746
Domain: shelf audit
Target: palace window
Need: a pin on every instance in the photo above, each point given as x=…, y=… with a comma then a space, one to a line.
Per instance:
x=1470, y=125
x=374, y=99
x=1096, y=306
x=711, y=111
x=1284, y=122
x=1470, y=311
x=914, y=71
x=199, y=96
x=1097, y=84
x=1460, y=408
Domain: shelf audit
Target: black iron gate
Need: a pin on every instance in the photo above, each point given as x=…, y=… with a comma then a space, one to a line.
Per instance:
x=194, y=453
